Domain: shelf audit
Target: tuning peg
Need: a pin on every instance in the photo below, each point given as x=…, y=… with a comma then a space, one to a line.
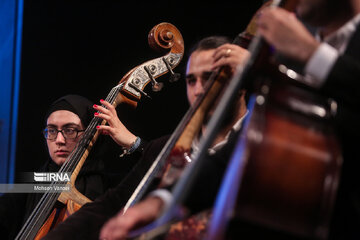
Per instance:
x=173, y=76
x=157, y=86
x=139, y=90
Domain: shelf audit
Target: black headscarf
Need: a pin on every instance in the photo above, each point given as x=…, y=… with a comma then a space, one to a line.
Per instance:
x=77, y=104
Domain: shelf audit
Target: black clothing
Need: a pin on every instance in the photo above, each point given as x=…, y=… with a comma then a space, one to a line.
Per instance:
x=74, y=103
x=15, y=208
x=344, y=86
x=86, y=223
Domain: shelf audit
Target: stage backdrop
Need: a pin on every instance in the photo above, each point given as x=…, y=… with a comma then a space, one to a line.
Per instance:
x=10, y=56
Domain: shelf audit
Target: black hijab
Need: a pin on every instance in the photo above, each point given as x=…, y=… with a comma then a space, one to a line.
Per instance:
x=77, y=104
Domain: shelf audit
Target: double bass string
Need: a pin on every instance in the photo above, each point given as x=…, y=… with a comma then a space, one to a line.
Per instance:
x=70, y=165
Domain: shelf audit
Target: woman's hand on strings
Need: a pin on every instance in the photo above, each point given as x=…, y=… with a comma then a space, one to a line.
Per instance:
x=115, y=128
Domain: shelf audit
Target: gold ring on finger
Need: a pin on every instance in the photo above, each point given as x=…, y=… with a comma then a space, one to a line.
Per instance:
x=228, y=51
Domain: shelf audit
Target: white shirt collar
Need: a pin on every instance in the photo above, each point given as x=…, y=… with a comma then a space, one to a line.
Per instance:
x=339, y=39
x=212, y=150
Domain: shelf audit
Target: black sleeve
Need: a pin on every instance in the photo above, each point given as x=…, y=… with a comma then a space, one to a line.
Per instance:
x=15, y=208
x=343, y=81
x=343, y=85
x=206, y=185
x=12, y=210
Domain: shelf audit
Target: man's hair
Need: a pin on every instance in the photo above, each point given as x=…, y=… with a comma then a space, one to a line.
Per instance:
x=208, y=43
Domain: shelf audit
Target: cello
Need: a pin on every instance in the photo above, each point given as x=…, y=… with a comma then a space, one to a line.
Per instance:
x=164, y=37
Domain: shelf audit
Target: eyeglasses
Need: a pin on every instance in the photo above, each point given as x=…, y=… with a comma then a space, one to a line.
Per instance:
x=51, y=133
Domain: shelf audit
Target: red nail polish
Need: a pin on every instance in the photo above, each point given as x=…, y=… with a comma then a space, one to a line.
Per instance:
x=95, y=105
x=97, y=127
x=96, y=114
x=101, y=100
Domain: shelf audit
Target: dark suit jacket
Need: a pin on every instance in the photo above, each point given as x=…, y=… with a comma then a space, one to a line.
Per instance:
x=343, y=84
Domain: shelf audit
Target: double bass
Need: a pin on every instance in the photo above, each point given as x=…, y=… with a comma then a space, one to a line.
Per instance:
x=164, y=37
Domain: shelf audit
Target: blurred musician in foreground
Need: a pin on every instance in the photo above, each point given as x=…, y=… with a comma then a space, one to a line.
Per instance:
x=332, y=60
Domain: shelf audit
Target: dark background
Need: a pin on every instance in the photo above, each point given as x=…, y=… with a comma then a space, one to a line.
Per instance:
x=86, y=47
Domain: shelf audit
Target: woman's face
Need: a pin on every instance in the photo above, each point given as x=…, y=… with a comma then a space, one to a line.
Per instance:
x=60, y=148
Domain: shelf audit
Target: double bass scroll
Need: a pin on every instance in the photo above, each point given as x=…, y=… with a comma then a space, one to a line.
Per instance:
x=164, y=37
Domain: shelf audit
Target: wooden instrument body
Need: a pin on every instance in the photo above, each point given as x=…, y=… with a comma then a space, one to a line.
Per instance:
x=180, y=153
x=293, y=162
x=293, y=158
x=58, y=215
